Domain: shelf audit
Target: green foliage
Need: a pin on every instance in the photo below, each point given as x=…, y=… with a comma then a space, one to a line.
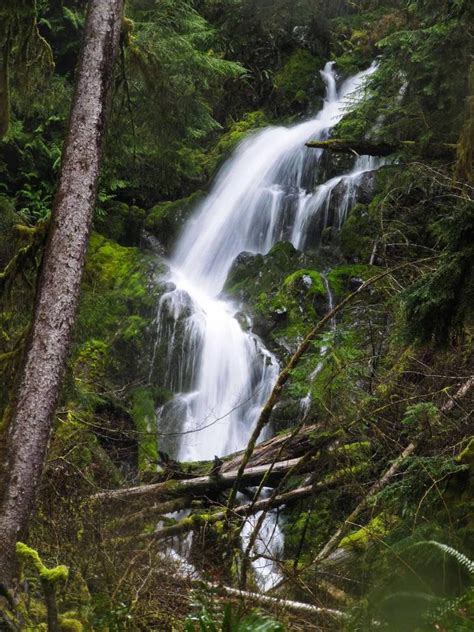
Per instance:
x=298, y=81
x=440, y=304
x=231, y=621
x=421, y=419
x=144, y=417
x=172, y=77
x=418, y=90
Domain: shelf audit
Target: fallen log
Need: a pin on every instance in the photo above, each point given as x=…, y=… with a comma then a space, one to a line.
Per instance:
x=368, y=148
x=333, y=542
x=265, y=600
x=195, y=521
x=281, y=448
x=202, y=485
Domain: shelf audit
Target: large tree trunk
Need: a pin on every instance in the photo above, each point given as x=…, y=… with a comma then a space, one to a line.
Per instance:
x=60, y=278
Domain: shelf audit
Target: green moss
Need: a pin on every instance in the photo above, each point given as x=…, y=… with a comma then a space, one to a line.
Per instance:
x=356, y=450
x=118, y=305
x=377, y=529
x=315, y=287
x=237, y=132
x=50, y=575
x=144, y=417
x=68, y=624
x=165, y=219
x=467, y=455
x=339, y=278
x=299, y=79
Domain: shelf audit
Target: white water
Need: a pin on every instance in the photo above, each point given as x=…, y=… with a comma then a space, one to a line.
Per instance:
x=265, y=193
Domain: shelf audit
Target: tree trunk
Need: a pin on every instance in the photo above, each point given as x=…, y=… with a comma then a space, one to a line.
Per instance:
x=4, y=85
x=60, y=278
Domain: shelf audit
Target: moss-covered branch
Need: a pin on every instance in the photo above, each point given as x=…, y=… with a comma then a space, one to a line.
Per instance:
x=367, y=148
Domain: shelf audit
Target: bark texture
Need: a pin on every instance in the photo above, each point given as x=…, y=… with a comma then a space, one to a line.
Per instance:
x=60, y=278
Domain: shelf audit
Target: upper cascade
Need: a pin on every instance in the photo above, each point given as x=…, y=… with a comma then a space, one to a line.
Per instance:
x=266, y=192
x=263, y=193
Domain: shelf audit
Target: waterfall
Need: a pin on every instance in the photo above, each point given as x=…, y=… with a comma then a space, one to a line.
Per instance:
x=266, y=192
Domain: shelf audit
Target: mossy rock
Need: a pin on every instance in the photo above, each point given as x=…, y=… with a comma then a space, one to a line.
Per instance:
x=281, y=291
x=166, y=219
x=237, y=132
x=121, y=223
x=346, y=278
x=298, y=82
x=310, y=281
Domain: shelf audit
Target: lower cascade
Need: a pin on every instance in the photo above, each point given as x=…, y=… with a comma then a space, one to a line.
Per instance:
x=270, y=190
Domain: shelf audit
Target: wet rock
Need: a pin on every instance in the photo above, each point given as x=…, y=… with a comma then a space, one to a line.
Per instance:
x=169, y=286
x=150, y=243
x=246, y=266
x=243, y=320
x=366, y=187
x=280, y=314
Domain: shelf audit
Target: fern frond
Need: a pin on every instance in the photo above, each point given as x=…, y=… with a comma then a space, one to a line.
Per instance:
x=463, y=560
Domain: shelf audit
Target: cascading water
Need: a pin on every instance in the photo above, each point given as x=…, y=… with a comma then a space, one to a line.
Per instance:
x=267, y=192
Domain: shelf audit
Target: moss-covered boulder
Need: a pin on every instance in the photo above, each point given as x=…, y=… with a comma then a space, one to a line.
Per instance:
x=121, y=223
x=236, y=132
x=282, y=291
x=166, y=219
x=299, y=82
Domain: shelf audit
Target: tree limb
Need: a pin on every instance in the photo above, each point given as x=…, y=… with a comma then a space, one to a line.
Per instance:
x=367, y=148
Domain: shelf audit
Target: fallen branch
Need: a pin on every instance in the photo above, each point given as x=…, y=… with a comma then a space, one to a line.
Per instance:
x=285, y=604
x=173, y=489
x=332, y=543
x=195, y=521
x=367, y=148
